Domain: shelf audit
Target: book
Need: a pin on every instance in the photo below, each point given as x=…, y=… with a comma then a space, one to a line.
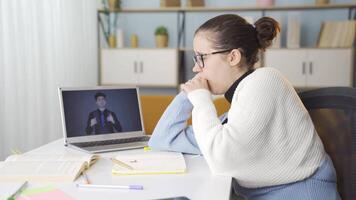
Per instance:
x=277, y=41
x=350, y=35
x=45, y=167
x=293, y=30
x=337, y=34
x=150, y=162
x=323, y=40
x=335, y=42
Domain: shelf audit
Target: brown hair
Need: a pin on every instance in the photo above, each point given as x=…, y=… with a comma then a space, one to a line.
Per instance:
x=234, y=32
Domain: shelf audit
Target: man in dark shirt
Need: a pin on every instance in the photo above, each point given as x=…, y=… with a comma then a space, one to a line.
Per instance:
x=102, y=120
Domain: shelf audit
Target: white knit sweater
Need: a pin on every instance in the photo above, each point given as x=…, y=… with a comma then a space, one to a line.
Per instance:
x=269, y=138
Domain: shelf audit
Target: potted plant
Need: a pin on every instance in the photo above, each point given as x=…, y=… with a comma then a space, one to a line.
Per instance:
x=161, y=34
x=111, y=7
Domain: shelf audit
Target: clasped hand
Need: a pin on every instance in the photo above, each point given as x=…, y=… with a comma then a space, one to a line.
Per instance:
x=195, y=83
x=109, y=119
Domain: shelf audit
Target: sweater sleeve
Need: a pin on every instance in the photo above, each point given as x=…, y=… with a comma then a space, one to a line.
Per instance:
x=172, y=132
x=226, y=147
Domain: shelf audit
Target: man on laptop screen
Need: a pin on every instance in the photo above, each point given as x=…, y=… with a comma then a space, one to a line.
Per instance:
x=102, y=118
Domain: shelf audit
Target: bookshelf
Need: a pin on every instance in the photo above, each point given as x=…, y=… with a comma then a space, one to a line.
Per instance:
x=184, y=50
x=245, y=8
x=181, y=11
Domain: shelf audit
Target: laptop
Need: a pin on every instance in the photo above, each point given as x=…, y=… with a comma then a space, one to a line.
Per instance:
x=102, y=119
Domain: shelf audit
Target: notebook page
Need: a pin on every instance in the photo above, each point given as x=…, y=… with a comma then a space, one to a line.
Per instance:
x=50, y=157
x=151, y=162
x=40, y=170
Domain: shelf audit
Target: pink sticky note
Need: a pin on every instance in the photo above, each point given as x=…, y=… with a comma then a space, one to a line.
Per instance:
x=53, y=195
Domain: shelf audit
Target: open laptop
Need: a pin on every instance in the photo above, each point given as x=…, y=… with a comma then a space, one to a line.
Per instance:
x=102, y=119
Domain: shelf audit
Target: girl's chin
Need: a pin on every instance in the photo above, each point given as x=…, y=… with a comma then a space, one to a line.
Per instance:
x=216, y=92
x=213, y=90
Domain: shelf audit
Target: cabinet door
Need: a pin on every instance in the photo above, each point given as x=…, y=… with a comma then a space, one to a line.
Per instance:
x=119, y=66
x=158, y=67
x=290, y=62
x=329, y=67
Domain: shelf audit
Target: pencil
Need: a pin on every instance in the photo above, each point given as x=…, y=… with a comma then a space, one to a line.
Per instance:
x=122, y=164
x=18, y=191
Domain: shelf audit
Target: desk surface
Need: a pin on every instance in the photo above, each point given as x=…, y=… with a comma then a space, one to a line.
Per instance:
x=197, y=183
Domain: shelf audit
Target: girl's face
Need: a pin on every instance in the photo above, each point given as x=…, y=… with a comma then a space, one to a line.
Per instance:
x=219, y=69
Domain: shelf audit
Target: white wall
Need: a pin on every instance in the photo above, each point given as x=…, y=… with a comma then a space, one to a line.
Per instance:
x=43, y=44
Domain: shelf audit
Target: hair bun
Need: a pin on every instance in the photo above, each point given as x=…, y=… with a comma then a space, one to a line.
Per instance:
x=267, y=29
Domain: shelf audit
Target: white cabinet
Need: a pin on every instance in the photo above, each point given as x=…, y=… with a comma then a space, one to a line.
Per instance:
x=142, y=67
x=313, y=67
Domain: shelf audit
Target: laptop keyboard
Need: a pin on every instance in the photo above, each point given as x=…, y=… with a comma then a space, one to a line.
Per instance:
x=110, y=142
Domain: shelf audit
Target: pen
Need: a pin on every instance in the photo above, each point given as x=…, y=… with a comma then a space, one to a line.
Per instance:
x=122, y=164
x=131, y=187
x=18, y=191
x=86, y=178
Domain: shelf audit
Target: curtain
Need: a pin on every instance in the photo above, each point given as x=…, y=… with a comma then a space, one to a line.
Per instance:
x=44, y=44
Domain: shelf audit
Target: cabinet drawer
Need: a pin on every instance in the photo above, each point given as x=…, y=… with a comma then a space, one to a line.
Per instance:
x=143, y=67
x=313, y=67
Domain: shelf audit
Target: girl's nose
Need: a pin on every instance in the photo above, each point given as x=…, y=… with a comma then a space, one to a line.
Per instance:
x=196, y=68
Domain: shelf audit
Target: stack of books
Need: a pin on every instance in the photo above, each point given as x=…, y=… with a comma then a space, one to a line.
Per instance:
x=337, y=34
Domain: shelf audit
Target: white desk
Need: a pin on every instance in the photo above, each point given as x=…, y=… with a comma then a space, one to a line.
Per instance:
x=198, y=183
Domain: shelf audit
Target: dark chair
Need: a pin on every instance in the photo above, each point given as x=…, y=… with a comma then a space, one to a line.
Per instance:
x=333, y=111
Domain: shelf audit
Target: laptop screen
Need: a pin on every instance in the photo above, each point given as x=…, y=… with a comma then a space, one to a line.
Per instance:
x=101, y=111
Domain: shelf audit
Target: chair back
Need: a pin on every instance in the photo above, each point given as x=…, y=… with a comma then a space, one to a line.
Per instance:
x=153, y=107
x=333, y=111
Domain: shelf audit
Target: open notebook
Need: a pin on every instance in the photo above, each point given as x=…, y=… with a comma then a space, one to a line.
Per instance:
x=48, y=168
x=150, y=162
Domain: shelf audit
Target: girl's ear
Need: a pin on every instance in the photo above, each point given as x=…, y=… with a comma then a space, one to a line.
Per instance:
x=234, y=57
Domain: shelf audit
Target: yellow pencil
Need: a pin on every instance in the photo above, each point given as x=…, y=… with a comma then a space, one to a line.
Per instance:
x=18, y=151
x=15, y=151
x=122, y=164
x=146, y=148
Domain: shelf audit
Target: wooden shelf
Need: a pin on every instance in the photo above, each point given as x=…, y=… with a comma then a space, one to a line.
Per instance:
x=191, y=49
x=135, y=48
x=281, y=48
x=234, y=8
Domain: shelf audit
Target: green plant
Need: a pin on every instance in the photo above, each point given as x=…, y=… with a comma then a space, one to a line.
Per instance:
x=161, y=30
x=109, y=24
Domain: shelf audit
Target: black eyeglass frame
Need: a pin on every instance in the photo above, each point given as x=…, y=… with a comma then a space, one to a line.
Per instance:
x=195, y=57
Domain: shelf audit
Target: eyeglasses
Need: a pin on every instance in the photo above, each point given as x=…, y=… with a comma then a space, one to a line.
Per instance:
x=199, y=59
